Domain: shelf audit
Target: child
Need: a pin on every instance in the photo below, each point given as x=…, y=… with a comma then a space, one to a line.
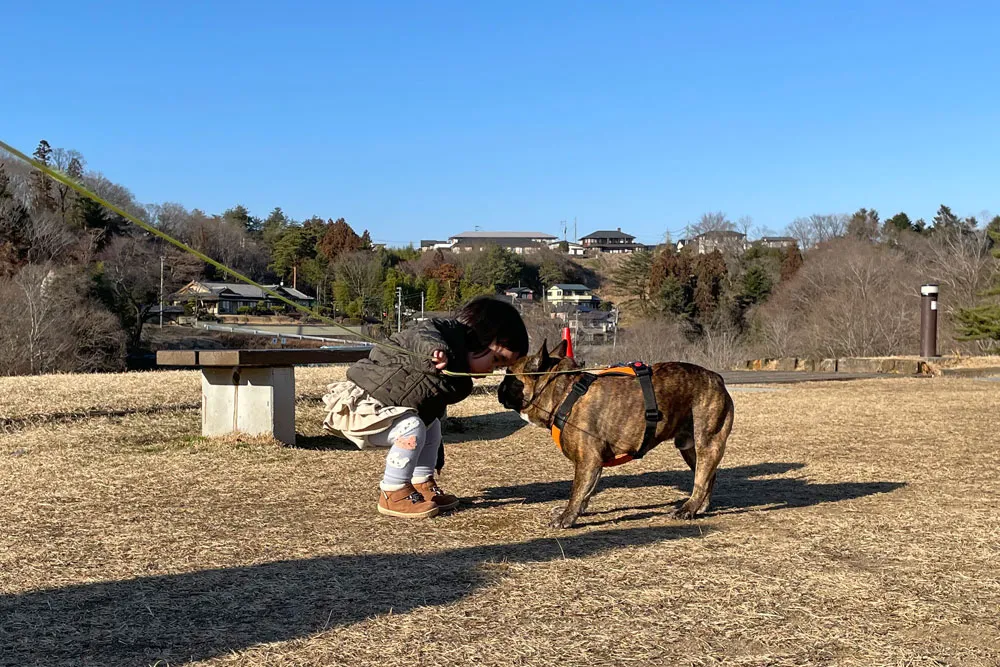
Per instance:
x=396, y=399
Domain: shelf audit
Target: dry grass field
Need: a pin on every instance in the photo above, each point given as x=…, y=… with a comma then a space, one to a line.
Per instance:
x=854, y=523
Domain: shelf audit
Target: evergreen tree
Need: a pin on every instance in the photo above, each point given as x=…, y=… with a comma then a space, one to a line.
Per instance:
x=755, y=286
x=341, y=295
x=73, y=213
x=469, y=290
x=864, y=225
x=240, y=216
x=389, y=285
x=66, y=197
x=14, y=223
x=273, y=227
x=993, y=232
x=898, y=223
x=632, y=277
x=550, y=273
x=497, y=267
x=432, y=301
x=673, y=297
x=339, y=238
x=946, y=222
x=41, y=184
x=710, y=272
x=983, y=322
x=296, y=244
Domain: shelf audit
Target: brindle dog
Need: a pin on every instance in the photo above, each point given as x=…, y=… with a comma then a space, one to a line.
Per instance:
x=608, y=420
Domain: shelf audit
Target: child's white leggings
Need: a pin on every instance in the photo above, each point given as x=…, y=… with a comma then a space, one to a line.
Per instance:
x=413, y=451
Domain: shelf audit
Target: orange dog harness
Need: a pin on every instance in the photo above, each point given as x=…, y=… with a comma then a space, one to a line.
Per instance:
x=644, y=375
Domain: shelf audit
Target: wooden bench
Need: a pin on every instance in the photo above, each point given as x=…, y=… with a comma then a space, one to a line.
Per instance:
x=252, y=391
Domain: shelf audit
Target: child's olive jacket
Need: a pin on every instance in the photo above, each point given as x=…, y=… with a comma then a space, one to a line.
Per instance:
x=411, y=380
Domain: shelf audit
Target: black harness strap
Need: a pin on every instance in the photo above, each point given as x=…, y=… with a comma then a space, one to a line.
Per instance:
x=580, y=388
x=653, y=416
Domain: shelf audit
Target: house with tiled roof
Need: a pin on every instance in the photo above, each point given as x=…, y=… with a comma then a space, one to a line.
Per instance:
x=219, y=298
x=517, y=242
x=611, y=241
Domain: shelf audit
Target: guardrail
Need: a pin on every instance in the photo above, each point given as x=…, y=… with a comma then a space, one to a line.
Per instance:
x=278, y=334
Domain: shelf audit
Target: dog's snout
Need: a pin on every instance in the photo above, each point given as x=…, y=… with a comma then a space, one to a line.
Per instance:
x=509, y=393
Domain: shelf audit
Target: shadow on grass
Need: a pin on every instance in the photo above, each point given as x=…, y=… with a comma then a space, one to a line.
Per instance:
x=199, y=615
x=739, y=489
x=324, y=442
x=495, y=426
x=456, y=430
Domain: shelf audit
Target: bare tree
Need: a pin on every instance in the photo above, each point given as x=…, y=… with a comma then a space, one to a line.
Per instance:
x=850, y=299
x=131, y=279
x=50, y=238
x=816, y=229
x=712, y=222
x=53, y=326
x=666, y=339
x=362, y=272
x=748, y=228
x=960, y=262
x=37, y=312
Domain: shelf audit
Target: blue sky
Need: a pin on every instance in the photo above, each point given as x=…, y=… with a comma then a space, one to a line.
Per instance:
x=419, y=120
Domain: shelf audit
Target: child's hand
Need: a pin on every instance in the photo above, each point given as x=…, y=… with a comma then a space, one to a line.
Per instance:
x=440, y=359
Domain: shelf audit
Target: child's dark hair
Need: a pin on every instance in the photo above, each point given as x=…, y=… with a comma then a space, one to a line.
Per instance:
x=491, y=320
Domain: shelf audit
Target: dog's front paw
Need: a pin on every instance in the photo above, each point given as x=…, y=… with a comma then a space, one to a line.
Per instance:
x=561, y=519
x=684, y=512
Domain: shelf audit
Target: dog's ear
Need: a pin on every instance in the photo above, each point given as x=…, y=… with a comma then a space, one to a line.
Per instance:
x=537, y=361
x=543, y=354
x=560, y=352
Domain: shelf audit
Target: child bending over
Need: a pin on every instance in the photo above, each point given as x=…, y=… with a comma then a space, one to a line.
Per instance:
x=397, y=399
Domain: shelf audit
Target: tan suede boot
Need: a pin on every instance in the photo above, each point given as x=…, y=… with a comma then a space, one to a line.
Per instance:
x=406, y=503
x=430, y=489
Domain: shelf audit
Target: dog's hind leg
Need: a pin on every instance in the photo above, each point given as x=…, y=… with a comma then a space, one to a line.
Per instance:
x=585, y=479
x=707, y=454
x=708, y=457
x=690, y=455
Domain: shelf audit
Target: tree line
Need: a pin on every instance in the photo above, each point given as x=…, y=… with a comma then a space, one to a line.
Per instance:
x=847, y=286
x=78, y=282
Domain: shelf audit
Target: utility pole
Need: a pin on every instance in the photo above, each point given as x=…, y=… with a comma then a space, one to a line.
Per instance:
x=422, y=305
x=399, y=309
x=161, y=290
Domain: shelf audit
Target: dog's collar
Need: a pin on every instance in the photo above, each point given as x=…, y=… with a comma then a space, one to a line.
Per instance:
x=550, y=416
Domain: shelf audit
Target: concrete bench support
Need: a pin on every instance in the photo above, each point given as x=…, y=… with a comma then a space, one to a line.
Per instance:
x=252, y=391
x=255, y=401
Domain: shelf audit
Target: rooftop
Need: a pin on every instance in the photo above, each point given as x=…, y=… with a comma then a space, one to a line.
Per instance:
x=721, y=233
x=250, y=291
x=608, y=234
x=504, y=235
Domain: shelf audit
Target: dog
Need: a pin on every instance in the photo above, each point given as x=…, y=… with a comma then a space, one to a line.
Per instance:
x=607, y=422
